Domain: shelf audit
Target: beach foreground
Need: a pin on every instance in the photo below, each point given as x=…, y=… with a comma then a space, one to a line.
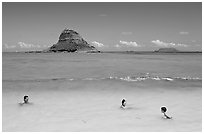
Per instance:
x=83, y=92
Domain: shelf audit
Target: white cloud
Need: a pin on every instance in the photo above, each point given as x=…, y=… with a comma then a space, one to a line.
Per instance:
x=46, y=46
x=130, y=44
x=183, y=33
x=25, y=45
x=182, y=45
x=117, y=46
x=126, y=33
x=165, y=44
x=9, y=46
x=97, y=44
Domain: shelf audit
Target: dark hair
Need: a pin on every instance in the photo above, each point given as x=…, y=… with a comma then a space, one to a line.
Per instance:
x=26, y=96
x=123, y=101
x=163, y=109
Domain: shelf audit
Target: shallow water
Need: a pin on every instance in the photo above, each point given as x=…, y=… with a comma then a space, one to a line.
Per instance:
x=82, y=92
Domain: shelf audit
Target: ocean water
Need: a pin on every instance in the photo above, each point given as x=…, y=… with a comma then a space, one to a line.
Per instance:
x=83, y=92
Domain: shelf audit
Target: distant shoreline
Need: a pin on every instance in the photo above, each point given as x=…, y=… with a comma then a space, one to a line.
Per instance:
x=120, y=52
x=153, y=52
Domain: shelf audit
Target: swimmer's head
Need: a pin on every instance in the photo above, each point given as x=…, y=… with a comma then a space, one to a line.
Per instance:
x=123, y=102
x=163, y=109
x=25, y=98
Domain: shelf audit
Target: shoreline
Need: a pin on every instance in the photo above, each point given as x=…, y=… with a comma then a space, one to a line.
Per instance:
x=120, y=52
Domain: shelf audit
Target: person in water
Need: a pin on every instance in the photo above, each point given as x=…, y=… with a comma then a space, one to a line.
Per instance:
x=123, y=103
x=163, y=110
x=25, y=100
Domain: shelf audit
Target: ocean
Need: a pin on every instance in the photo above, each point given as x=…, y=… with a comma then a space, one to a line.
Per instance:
x=83, y=91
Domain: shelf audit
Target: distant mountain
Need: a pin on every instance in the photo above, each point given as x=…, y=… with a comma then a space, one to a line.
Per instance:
x=71, y=41
x=167, y=50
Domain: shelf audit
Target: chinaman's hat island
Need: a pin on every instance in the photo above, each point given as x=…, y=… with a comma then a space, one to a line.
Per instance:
x=71, y=41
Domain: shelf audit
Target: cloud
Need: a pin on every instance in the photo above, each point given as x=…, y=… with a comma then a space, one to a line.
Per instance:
x=183, y=33
x=165, y=44
x=117, y=46
x=97, y=44
x=26, y=45
x=130, y=44
x=126, y=33
x=9, y=46
x=46, y=46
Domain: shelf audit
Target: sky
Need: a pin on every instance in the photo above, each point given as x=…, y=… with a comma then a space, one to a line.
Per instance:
x=108, y=26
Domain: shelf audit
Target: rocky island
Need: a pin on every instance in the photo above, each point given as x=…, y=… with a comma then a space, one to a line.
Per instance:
x=71, y=41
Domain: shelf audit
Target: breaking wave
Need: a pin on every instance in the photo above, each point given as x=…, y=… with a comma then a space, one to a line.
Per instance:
x=157, y=78
x=126, y=78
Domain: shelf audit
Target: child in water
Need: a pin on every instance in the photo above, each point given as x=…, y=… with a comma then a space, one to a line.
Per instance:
x=163, y=110
x=123, y=103
x=25, y=100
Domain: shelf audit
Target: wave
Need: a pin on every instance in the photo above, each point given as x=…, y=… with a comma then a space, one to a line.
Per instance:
x=157, y=78
x=146, y=77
